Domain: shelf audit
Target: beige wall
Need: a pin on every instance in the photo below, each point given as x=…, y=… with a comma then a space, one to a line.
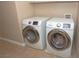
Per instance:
x=0, y=21
x=24, y=10
x=10, y=27
x=11, y=15
x=56, y=9
x=77, y=33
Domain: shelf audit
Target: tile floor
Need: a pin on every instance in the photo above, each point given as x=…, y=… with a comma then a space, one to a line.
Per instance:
x=9, y=50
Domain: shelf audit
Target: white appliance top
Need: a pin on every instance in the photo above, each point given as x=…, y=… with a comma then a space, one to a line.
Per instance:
x=35, y=20
x=65, y=20
x=62, y=23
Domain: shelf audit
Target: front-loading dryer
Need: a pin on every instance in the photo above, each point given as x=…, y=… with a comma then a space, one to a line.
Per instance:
x=34, y=31
x=59, y=36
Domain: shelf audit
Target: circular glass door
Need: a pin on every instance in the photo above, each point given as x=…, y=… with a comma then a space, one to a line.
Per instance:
x=58, y=39
x=31, y=34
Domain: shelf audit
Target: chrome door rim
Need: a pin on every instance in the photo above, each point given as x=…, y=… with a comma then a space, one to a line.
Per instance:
x=32, y=29
x=64, y=34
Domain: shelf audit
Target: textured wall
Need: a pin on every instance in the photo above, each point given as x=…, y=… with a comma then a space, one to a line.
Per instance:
x=0, y=22
x=24, y=10
x=10, y=27
x=77, y=32
x=12, y=13
x=56, y=9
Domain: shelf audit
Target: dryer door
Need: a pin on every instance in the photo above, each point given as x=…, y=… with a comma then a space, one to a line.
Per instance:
x=31, y=34
x=58, y=39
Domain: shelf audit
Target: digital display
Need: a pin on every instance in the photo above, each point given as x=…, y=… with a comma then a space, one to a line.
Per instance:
x=35, y=23
x=66, y=25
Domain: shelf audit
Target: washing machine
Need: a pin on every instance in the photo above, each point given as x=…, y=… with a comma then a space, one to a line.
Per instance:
x=34, y=31
x=59, y=36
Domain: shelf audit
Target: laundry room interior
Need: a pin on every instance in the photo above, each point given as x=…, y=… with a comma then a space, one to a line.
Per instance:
x=12, y=14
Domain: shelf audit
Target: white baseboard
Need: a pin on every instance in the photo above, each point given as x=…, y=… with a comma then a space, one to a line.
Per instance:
x=12, y=41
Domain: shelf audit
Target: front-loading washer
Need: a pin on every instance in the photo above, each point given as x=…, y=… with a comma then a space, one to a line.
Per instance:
x=59, y=36
x=34, y=31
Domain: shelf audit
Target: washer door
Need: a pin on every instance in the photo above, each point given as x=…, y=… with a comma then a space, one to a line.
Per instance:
x=31, y=34
x=58, y=39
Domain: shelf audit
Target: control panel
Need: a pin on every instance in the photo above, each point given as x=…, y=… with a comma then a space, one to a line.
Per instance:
x=33, y=22
x=64, y=25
